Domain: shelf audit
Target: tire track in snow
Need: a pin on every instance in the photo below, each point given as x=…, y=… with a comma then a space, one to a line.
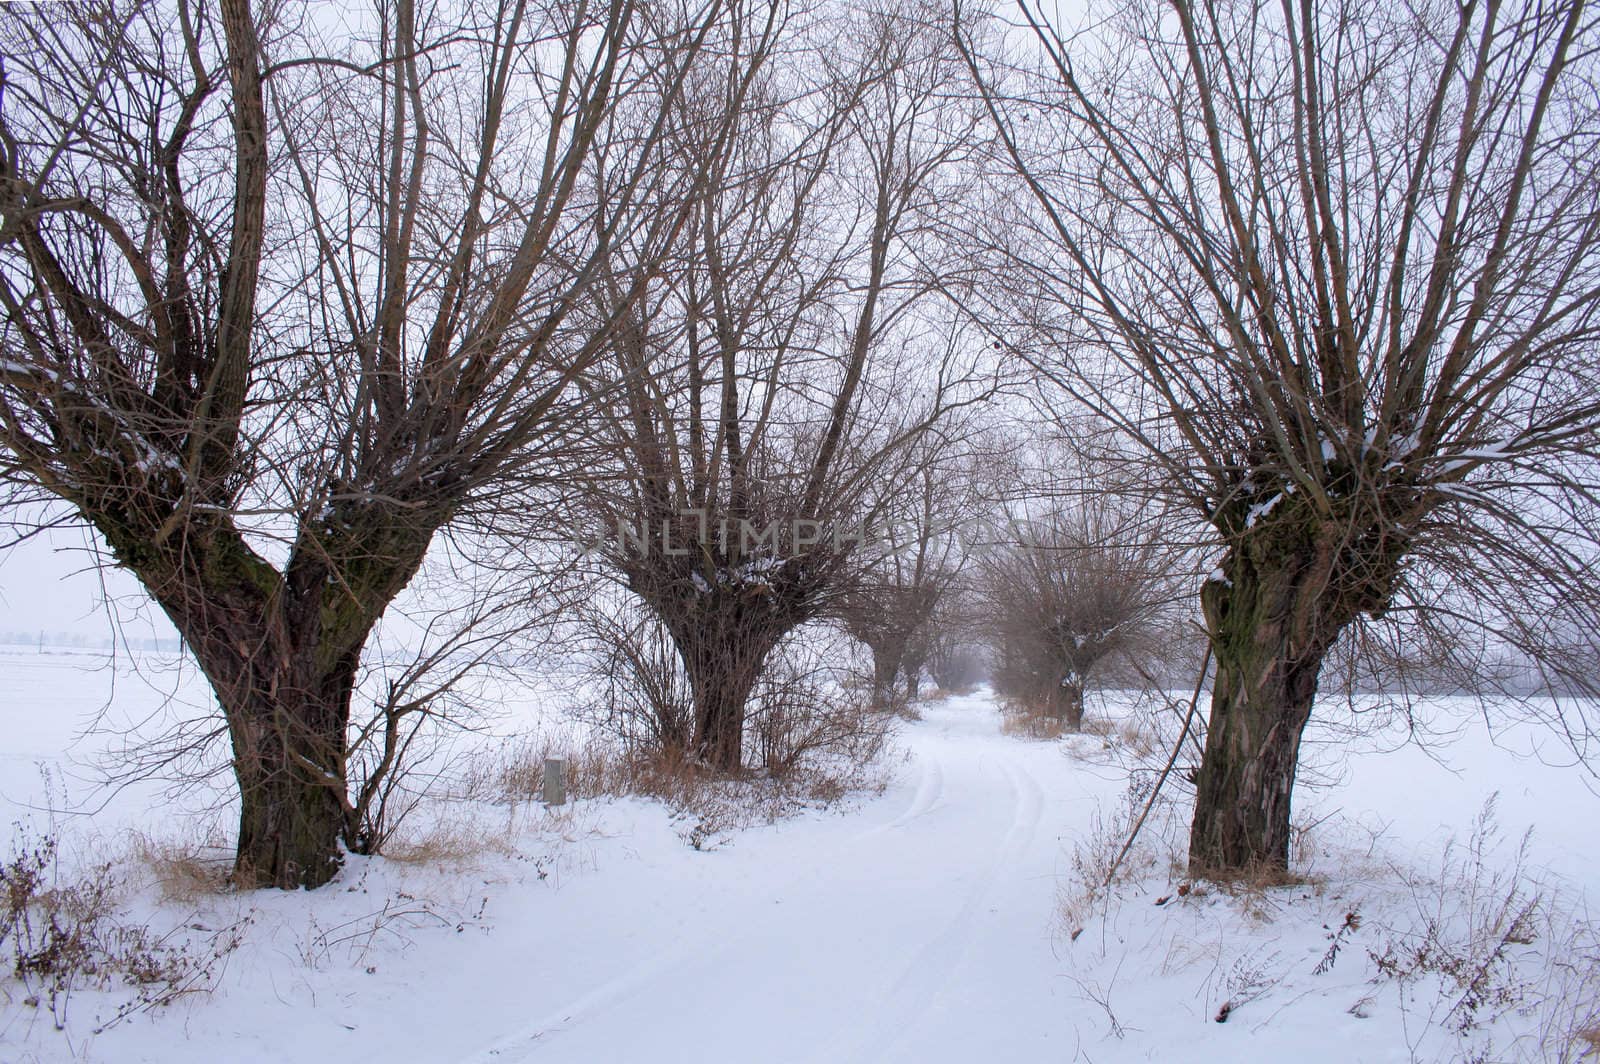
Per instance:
x=606, y=995
x=936, y=963
x=688, y=950
x=962, y=793
x=927, y=798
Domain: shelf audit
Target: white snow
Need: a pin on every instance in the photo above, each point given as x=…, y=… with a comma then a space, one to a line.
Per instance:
x=1262, y=509
x=27, y=369
x=922, y=925
x=1495, y=451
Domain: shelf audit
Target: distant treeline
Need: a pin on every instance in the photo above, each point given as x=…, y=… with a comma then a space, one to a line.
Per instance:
x=79, y=641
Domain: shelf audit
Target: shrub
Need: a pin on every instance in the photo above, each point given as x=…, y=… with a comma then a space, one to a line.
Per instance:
x=62, y=934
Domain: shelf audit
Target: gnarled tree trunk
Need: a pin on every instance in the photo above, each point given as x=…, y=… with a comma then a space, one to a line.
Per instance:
x=1271, y=620
x=281, y=651
x=723, y=638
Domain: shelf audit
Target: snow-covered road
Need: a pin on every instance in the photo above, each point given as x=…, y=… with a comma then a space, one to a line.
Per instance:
x=915, y=929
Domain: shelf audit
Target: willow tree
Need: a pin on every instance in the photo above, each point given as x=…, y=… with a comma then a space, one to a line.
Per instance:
x=776, y=371
x=1335, y=268
x=931, y=509
x=279, y=305
x=1075, y=588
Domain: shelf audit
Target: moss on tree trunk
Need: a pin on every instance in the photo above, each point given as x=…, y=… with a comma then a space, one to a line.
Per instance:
x=281, y=651
x=1271, y=621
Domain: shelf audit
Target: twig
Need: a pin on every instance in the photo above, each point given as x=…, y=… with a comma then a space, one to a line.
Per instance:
x=1177, y=748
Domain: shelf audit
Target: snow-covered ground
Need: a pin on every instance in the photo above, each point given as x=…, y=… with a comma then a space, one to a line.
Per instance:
x=934, y=922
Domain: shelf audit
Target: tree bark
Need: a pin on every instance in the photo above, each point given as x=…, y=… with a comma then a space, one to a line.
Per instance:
x=724, y=646
x=1066, y=704
x=1271, y=623
x=289, y=763
x=721, y=693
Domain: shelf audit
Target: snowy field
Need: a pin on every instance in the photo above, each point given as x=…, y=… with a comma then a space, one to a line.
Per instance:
x=945, y=919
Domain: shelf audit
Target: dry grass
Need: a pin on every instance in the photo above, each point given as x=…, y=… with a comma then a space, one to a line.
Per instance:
x=185, y=870
x=800, y=730
x=1568, y=988
x=1255, y=880
x=515, y=772
x=1099, y=865
x=908, y=711
x=1138, y=739
x=1263, y=893
x=65, y=929
x=1132, y=735
x=1484, y=959
x=1023, y=721
x=709, y=805
x=460, y=843
x=598, y=768
x=1487, y=938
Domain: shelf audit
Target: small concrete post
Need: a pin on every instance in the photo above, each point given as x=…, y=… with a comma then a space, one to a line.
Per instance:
x=554, y=781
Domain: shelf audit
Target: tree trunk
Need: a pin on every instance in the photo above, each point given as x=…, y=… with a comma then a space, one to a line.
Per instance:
x=1271, y=624
x=913, y=661
x=288, y=712
x=291, y=814
x=1069, y=705
x=884, y=668
x=721, y=693
x=888, y=653
x=724, y=647
x=281, y=652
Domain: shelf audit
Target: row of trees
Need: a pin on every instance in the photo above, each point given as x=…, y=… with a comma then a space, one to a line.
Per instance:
x=1333, y=271
x=736, y=284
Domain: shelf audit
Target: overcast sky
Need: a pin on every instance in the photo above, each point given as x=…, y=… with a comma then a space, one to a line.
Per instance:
x=49, y=584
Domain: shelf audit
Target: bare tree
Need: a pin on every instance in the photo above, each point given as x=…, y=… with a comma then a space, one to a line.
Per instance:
x=919, y=562
x=772, y=377
x=1080, y=585
x=1334, y=268
x=278, y=307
